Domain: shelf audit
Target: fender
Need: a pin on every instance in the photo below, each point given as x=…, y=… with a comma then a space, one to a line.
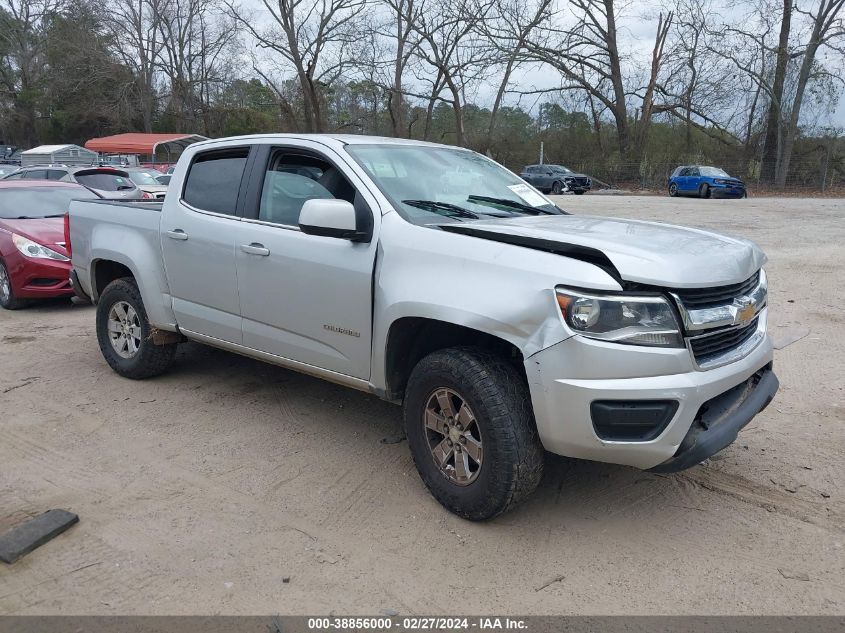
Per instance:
x=140, y=252
x=499, y=289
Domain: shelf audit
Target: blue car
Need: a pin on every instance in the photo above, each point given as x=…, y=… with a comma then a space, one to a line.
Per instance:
x=704, y=182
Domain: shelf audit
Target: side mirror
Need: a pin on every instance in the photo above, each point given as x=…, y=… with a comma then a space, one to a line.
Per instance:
x=330, y=218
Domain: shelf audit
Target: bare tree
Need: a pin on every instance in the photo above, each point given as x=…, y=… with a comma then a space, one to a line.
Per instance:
x=196, y=38
x=507, y=27
x=450, y=47
x=827, y=29
x=588, y=59
x=647, y=110
x=316, y=38
x=136, y=37
x=775, y=113
x=399, y=31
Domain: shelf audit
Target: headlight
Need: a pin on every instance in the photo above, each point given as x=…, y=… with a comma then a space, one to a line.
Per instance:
x=36, y=251
x=621, y=319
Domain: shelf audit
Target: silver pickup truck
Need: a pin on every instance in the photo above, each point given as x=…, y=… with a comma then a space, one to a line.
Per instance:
x=435, y=278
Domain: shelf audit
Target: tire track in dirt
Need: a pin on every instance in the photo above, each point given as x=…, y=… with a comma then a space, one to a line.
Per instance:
x=765, y=497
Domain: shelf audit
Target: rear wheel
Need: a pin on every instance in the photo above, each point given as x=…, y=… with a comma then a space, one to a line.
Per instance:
x=7, y=294
x=704, y=191
x=125, y=334
x=673, y=190
x=471, y=431
x=557, y=188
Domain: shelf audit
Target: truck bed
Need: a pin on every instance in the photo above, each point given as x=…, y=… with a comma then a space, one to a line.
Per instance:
x=118, y=231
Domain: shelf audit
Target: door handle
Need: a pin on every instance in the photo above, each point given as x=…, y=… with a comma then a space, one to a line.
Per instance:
x=255, y=249
x=177, y=234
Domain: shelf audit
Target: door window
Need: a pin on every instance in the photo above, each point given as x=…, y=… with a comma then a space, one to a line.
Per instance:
x=292, y=179
x=214, y=180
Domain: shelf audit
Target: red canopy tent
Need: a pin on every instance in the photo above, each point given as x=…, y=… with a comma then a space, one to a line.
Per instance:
x=161, y=148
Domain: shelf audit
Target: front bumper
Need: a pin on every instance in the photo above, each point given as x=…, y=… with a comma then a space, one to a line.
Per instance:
x=727, y=191
x=38, y=278
x=567, y=378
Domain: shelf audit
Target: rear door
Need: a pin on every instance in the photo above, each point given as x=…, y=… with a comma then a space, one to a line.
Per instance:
x=694, y=179
x=528, y=174
x=198, y=229
x=305, y=297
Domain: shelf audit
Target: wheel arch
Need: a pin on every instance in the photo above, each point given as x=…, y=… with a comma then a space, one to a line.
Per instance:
x=410, y=339
x=108, y=266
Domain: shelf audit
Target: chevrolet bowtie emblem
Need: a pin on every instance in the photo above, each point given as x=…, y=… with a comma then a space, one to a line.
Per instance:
x=745, y=309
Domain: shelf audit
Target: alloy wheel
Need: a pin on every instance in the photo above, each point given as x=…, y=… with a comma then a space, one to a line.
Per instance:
x=5, y=284
x=124, y=328
x=454, y=436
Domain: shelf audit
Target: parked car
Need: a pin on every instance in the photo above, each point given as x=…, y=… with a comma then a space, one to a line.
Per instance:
x=145, y=179
x=164, y=179
x=503, y=325
x=34, y=261
x=704, y=181
x=108, y=182
x=7, y=169
x=556, y=179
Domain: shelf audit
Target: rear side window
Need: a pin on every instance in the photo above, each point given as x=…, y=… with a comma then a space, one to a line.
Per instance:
x=214, y=180
x=105, y=182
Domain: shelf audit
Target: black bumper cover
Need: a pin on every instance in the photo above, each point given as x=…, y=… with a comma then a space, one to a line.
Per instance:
x=720, y=420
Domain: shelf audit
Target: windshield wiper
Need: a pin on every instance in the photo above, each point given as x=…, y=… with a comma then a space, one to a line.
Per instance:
x=513, y=204
x=443, y=208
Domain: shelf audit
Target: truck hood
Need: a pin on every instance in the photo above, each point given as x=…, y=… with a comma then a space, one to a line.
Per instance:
x=644, y=252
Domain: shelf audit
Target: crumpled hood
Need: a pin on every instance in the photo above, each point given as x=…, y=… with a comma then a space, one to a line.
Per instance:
x=645, y=252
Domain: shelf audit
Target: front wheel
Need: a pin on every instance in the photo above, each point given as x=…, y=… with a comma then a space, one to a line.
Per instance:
x=125, y=334
x=579, y=192
x=704, y=191
x=557, y=188
x=8, y=300
x=471, y=431
x=673, y=190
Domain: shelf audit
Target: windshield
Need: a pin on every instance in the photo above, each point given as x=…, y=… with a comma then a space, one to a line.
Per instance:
x=714, y=171
x=39, y=202
x=143, y=178
x=429, y=184
x=560, y=169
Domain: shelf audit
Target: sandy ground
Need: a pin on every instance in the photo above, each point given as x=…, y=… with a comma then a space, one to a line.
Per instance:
x=202, y=491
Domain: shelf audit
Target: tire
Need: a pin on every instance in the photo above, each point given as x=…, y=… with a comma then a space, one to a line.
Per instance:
x=580, y=192
x=557, y=188
x=147, y=360
x=8, y=300
x=673, y=190
x=499, y=426
x=704, y=191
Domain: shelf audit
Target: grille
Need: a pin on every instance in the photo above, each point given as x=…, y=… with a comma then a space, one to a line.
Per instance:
x=581, y=182
x=714, y=344
x=697, y=298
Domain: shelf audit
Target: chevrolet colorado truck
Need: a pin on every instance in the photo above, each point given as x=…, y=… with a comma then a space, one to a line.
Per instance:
x=436, y=279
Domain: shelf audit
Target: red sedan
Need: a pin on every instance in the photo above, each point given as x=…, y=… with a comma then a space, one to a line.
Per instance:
x=34, y=263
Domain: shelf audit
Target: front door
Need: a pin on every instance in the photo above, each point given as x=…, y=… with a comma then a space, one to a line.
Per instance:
x=305, y=297
x=198, y=245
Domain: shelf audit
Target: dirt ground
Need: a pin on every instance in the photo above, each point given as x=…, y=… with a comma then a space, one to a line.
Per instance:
x=230, y=487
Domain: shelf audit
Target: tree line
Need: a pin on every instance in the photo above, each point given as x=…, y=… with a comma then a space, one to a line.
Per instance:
x=623, y=89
